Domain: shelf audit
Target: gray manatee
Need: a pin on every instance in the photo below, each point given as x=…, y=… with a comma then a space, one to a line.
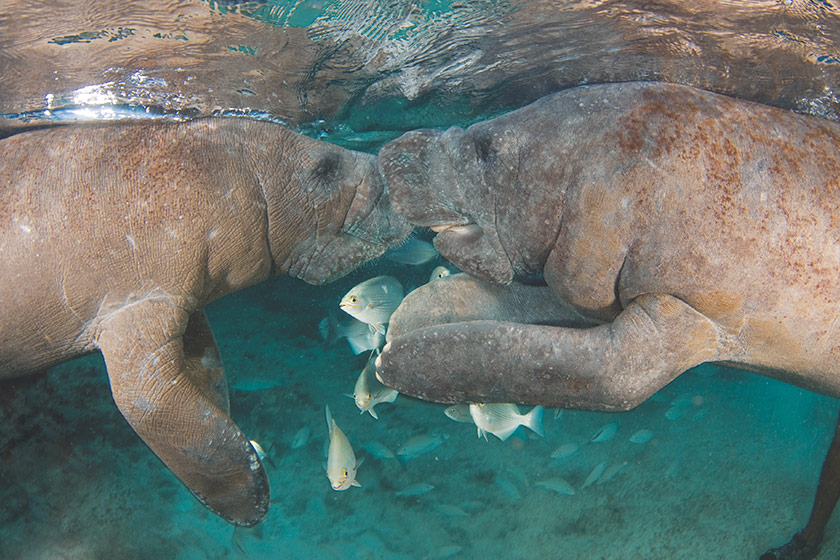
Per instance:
x=113, y=238
x=679, y=227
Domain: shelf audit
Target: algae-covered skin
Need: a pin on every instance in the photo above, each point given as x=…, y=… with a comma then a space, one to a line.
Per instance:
x=680, y=226
x=113, y=238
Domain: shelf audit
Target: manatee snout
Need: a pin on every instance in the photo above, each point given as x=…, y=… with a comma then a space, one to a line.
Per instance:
x=422, y=181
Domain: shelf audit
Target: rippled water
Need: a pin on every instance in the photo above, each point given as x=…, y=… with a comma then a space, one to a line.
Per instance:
x=363, y=70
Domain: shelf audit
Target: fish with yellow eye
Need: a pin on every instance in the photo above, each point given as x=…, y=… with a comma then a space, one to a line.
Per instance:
x=341, y=461
x=439, y=272
x=369, y=392
x=373, y=301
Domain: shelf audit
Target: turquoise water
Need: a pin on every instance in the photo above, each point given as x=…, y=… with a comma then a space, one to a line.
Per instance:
x=730, y=470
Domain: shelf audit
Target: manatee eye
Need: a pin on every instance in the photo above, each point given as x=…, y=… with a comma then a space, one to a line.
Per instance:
x=327, y=167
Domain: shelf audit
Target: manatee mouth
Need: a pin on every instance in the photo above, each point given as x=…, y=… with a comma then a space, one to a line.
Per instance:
x=455, y=228
x=470, y=248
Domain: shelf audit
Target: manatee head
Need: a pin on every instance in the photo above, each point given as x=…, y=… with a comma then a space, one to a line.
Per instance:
x=331, y=212
x=494, y=219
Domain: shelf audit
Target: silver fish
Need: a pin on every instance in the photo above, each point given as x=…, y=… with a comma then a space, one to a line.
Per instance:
x=611, y=472
x=373, y=301
x=378, y=450
x=359, y=335
x=439, y=272
x=300, y=438
x=509, y=488
x=606, y=433
x=502, y=419
x=565, y=451
x=642, y=436
x=414, y=490
x=341, y=461
x=369, y=392
x=594, y=475
x=557, y=484
x=413, y=251
x=449, y=510
x=459, y=413
x=420, y=445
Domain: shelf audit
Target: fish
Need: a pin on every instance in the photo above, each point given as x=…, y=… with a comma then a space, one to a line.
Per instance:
x=606, y=433
x=502, y=419
x=611, y=471
x=413, y=251
x=448, y=510
x=685, y=400
x=509, y=488
x=674, y=413
x=444, y=552
x=459, y=413
x=256, y=384
x=565, y=451
x=414, y=490
x=593, y=477
x=439, y=272
x=378, y=450
x=369, y=391
x=261, y=454
x=642, y=436
x=373, y=301
x=300, y=438
x=556, y=484
x=341, y=461
x=420, y=445
x=359, y=335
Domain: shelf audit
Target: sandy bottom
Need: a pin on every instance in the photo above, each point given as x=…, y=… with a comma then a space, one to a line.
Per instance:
x=730, y=470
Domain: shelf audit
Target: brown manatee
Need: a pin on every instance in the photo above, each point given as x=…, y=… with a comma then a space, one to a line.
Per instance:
x=113, y=238
x=671, y=226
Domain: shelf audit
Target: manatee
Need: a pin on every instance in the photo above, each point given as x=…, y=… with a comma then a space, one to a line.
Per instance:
x=671, y=227
x=114, y=237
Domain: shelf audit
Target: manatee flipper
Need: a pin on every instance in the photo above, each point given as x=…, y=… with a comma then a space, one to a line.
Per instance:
x=154, y=361
x=461, y=297
x=203, y=362
x=613, y=366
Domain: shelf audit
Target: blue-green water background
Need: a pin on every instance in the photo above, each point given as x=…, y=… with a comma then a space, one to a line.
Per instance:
x=729, y=474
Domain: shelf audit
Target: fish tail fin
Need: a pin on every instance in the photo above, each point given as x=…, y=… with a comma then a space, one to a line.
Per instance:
x=534, y=421
x=330, y=420
x=356, y=347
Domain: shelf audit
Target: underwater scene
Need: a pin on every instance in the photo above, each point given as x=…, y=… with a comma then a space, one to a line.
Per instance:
x=720, y=463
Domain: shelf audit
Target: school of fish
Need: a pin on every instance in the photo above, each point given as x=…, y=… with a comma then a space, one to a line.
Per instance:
x=369, y=306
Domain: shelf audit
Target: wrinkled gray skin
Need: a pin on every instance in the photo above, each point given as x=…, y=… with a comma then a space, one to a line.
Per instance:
x=113, y=238
x=678, y=225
